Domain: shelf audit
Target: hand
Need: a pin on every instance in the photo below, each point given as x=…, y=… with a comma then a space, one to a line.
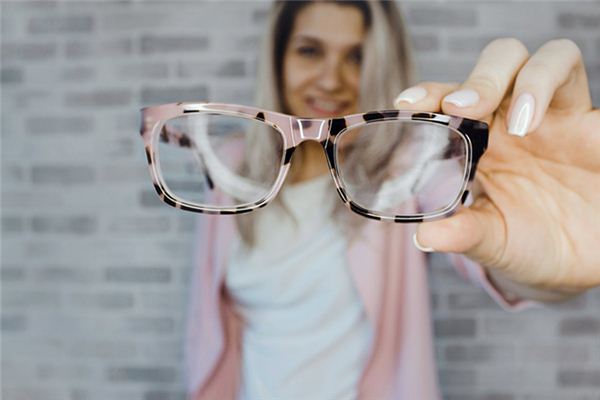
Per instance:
x=536, y=214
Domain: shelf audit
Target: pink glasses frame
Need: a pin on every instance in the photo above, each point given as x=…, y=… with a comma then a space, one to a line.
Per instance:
x=295, y=130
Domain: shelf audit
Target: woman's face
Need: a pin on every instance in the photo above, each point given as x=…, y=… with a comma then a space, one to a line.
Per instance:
x=321, y=63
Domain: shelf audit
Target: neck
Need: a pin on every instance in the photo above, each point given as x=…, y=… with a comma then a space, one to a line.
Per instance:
x=308, y=162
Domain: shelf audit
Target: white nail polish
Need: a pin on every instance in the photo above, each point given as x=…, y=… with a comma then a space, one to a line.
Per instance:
x=463, y=98
x=411, y=95
x=522, y=115
x=418, y=245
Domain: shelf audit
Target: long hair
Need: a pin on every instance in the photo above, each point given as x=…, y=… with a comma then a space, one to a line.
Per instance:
x=387, y=68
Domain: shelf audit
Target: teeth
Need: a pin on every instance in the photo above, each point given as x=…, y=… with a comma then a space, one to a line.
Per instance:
x=326, y=105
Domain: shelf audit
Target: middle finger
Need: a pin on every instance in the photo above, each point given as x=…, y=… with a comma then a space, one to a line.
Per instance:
x=494, y=74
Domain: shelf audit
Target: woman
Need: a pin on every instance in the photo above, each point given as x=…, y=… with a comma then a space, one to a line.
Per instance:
x=340, y=319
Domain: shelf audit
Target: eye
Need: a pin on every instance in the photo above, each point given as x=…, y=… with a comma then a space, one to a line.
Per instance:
x=355, y=56
x=308, y=51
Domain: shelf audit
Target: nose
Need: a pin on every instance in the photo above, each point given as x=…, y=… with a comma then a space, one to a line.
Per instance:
x=331, y=75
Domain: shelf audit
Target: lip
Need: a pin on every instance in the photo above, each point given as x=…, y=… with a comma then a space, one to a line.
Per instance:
x=342, y=105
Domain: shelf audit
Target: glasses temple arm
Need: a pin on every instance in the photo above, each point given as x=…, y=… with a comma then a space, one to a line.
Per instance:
x=231, y=183
x=181, y=139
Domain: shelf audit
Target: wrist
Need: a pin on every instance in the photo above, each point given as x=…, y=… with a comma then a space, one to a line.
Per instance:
x=513, y=290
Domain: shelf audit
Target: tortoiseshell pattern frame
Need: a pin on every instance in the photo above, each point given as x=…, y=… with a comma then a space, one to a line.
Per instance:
x=295, y=130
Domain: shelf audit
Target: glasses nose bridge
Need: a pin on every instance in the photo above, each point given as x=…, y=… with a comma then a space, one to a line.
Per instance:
x=309, y=129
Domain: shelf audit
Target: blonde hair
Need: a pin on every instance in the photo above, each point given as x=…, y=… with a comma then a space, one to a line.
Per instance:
x=387, y=68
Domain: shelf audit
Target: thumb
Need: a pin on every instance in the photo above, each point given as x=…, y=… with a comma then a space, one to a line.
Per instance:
x=474, y=231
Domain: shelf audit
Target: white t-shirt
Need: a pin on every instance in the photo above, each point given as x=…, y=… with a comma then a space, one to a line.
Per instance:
x=306, y=334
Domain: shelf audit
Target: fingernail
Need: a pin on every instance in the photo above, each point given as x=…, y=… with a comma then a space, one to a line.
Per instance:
x=522, y=114
x=419, y=246
x=411, y=95
x=463, y=98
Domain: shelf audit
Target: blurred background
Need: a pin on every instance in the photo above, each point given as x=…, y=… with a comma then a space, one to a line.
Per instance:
x=95, y=269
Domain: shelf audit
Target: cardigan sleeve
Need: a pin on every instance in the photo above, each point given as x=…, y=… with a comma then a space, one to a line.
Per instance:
x=477, y=274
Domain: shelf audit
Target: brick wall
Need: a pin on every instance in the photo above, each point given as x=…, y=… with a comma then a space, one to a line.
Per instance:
x=95, y=269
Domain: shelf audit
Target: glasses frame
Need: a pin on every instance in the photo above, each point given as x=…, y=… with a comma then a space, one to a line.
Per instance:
x=295, y=130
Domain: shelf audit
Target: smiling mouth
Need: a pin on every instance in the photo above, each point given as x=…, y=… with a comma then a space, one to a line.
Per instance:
x=326, y=107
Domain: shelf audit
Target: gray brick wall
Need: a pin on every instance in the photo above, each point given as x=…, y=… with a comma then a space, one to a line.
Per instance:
x=95, y=269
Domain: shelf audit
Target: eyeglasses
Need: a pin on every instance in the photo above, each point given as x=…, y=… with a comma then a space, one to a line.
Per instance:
x=230, y=159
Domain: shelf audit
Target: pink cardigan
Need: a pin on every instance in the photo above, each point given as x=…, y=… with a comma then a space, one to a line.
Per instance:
x=391, y=277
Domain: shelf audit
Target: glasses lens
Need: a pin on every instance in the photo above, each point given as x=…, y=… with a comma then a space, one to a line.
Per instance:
x=384, y=166
x=219, y=161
